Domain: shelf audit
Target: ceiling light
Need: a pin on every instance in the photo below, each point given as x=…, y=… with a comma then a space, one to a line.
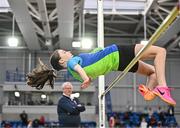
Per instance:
x=13, y=41
x=17, y=94
x=43, y=96
x=86, y=43
x=76, y=44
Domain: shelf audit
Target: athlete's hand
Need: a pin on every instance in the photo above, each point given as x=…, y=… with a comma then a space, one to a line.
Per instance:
x=86, y=83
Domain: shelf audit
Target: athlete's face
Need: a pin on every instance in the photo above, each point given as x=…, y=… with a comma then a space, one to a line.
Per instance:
x=64, y=55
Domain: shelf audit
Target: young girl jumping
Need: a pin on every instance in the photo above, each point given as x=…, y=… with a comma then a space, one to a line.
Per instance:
x=88, y=66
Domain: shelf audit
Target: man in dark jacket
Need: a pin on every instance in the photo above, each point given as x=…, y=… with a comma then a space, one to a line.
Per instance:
x=69, y=108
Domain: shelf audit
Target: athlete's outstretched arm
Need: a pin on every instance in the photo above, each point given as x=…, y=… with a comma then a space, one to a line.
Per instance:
x=83, y=75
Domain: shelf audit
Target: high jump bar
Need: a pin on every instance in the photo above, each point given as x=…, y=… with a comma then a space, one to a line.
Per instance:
x=169, y=20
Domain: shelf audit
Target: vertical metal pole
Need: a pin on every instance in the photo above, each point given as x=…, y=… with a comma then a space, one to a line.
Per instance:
x=24, y=61
x=83, y=25
x=134, y=92
x=101, y=80
x=80, y=23
x=13, y=26
x=145, y=34
x=29, y=68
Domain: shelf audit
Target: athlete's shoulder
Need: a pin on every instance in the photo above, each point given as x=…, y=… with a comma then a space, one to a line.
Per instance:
x=73, y=61
x=74, y=58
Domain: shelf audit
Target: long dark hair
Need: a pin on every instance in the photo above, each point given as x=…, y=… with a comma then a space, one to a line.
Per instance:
x=54, y=61
x=40, y=76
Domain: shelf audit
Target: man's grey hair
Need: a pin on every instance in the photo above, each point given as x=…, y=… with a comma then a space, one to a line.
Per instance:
x=65, y=84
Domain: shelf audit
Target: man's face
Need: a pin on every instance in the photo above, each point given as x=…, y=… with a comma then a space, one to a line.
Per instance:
x=68, y=89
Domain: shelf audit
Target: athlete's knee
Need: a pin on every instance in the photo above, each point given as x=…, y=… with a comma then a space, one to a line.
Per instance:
x=162, y=50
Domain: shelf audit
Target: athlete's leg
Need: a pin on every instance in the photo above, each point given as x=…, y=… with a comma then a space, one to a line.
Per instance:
x=149, y=71
x=159, y=56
